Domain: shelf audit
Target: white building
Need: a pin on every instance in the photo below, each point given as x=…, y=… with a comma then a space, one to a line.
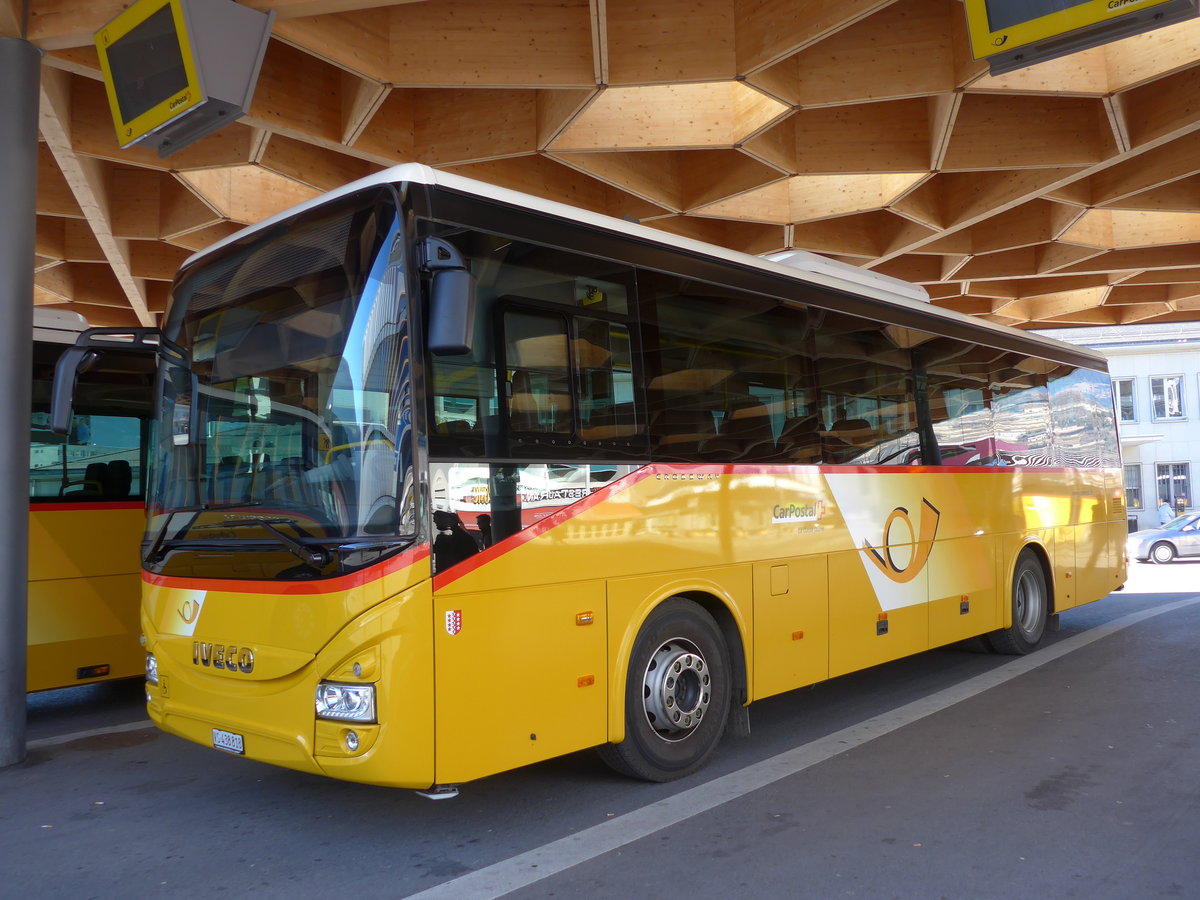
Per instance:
x=1155, y=371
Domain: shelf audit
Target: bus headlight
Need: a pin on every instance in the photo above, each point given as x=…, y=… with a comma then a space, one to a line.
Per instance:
x=151, y=669
x=346, y=702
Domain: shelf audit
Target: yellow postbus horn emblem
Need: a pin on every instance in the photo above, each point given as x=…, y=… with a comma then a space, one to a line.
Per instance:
x=189, y=611
x=930, y=516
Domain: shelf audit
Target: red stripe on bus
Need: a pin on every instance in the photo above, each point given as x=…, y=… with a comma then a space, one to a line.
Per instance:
x=390, y=566
x=560, y=516
x=81, y=507
x=670, y=471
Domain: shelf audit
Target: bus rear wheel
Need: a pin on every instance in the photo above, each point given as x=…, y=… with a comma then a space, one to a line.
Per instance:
x=677, y=695
x=1030, y=609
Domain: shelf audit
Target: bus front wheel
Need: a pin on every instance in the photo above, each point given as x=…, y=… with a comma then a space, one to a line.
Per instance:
x=677, y=695
x=1030, y=608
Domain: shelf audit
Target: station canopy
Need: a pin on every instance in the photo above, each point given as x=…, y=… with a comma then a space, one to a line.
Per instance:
x=1066, y=193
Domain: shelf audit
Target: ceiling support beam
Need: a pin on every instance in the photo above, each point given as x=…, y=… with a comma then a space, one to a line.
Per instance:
x=89, y=183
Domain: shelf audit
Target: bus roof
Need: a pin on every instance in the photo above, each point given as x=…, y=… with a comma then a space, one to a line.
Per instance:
x=810, y=268
x=57, y=325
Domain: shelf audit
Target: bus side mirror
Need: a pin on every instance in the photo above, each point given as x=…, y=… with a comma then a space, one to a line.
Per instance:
x=451, y=299
x=76, y=360
x=73, y=363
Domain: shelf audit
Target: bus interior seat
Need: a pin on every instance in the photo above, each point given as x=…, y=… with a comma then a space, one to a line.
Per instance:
x=538, y=412
x=95, y=476
x=610, y=423
x=227, y=481
x=746, y=429
x=118, y=481
x=682, y=432
x=800, y=440
x=846, y=438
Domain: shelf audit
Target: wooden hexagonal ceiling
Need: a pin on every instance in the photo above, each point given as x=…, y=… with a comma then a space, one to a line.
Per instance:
x=1067, y=193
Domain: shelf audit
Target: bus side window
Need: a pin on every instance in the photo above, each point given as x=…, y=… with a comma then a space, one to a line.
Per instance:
x=539, y=391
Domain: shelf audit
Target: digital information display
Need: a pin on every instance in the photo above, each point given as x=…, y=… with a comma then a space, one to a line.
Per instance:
x=1011, y=34
x=149, y=73
x=147, y=65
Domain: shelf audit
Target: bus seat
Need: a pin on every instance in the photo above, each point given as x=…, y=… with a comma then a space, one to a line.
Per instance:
x=539, y=412
x=800, y=440
x=846, y=438
x=746, y=431
x=682, y=432
x=118, y=480
x=227, y=479
x=94, y=478
x=610, y=423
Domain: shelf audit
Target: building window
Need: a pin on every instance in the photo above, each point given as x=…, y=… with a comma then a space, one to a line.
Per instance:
x=1133, y=487
x=1123, y=398
x=1174, y=484
x=1166, y=392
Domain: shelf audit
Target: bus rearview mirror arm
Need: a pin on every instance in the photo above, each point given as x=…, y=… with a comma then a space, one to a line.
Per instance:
x=77, y=359
x=451, y=299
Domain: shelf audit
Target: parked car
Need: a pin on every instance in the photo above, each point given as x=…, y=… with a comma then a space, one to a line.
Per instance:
x=1179, y=537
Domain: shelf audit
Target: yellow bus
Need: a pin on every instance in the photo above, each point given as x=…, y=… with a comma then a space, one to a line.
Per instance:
x=451, y=480
x=86, y=515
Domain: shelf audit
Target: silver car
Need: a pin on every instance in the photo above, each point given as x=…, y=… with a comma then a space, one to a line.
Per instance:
x=1179, y=537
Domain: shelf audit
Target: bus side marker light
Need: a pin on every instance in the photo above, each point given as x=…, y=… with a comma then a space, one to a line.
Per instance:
x=964, y=605
x=585, y=618
x=881, y=625
x=586, y=680
x=797, y=635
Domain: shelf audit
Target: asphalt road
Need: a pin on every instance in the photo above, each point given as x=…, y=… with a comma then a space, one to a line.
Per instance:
x=1073, y=772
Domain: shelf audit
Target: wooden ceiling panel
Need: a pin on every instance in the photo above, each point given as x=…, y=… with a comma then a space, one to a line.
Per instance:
x=299, y=95
x=524, y=43
x=453, y=127
x=316, y=167
x=545, y=176
x=769, y=30
x=857, y=128
x=664, y=43
x=1154, y=111
x=904, y=50
x=742, y=236
x=892, y=136
x=54, y=195
x=685, y=116
x=1010, y=132
x=356, y=41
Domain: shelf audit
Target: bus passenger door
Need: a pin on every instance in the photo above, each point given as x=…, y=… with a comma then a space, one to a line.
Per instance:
x=519, y=676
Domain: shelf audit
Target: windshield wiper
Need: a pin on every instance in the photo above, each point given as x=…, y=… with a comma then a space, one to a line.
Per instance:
x=317, y=557
x=158, y=549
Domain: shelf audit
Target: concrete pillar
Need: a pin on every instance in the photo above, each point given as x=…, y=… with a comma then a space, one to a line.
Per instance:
x=20, y=70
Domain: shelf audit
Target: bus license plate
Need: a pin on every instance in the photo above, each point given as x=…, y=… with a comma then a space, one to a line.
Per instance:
x=227, y=740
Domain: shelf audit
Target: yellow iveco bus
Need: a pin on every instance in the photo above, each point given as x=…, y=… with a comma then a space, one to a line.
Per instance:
x=86, y=514
x=450, y=480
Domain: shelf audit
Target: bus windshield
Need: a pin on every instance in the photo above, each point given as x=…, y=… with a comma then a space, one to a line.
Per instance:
x=285, y=403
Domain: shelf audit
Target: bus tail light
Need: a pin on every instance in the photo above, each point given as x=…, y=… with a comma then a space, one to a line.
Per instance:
x=346, y=702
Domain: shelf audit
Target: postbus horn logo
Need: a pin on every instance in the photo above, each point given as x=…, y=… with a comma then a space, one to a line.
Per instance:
x=920, y=554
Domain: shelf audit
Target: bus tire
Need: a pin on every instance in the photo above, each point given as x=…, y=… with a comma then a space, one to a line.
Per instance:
x=1030, y=609
x=677, y=695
